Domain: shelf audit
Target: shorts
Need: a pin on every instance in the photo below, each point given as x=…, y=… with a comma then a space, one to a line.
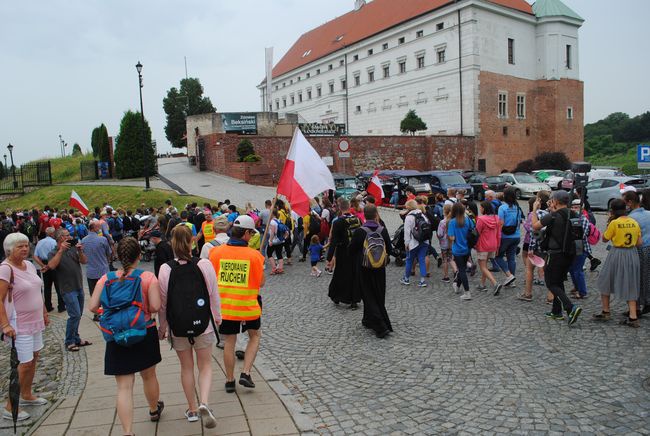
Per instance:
x=228, y=327
x=446, y=255
x=277, y=249
x=485, y=255
x=526, y=246
x=314, y=262
x=200, y=342
x=27, y=345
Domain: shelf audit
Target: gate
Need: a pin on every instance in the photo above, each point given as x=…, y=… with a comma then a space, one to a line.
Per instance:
x=36, y=174
x=7, y=185
x=89, y=170
x=201, y=156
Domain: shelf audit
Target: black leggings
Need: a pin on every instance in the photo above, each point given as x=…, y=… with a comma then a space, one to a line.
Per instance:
x=461, y=263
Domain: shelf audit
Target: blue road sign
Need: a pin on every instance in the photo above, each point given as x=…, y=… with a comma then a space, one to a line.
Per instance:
x=643, y=155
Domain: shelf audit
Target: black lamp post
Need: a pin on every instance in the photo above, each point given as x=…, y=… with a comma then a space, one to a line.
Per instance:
x=138, y=67
x=13, y=168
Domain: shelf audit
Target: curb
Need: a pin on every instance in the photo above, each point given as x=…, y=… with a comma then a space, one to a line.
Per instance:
x=36, y=425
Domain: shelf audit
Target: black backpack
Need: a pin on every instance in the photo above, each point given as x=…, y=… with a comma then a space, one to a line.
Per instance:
x=422, y=231
x=314, y=225
x=433, y=217
x=188, y=301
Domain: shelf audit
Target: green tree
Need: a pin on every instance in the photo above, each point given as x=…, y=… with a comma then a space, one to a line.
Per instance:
x=2, y=171
x=244, y=148
x=129, y=161
x=179, y=103
x=76, y=150
x=94, y=141
x=104, y=144
x=412, y=123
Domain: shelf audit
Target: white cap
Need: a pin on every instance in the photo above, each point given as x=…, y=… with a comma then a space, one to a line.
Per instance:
x=627, y=188
x=245, y=222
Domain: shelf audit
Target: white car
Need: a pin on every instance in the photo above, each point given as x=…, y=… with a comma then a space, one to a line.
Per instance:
x=603, y=173
x=525, y=185
x=560, y=181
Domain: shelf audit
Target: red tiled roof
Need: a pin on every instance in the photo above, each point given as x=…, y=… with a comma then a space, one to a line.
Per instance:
x=373, y=18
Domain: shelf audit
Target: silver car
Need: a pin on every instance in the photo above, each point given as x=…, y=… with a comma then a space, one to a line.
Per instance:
x=601, y=192
x=525, y=185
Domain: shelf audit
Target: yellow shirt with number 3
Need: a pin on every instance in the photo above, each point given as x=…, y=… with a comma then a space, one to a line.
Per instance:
x=624, y=232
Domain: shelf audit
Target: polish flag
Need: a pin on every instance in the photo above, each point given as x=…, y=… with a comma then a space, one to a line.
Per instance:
x=304, y=175
x=374, y=187
x=78, y=203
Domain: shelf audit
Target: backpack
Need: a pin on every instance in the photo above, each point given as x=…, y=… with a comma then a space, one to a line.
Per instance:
x=422, y=231
x=511, y=230
x=28, y=228
x=123, y=319
x=472, y=235
x=188, y=300
x=572, y=235
x=352, y=223
x=324, y=232
x=283, y=231
x=81, y=231
x=433, y=217
x=314, y=225
x=375, y=255
x=594, y=234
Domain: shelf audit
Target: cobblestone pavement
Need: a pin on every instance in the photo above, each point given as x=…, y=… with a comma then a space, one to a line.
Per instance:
x=489, y=365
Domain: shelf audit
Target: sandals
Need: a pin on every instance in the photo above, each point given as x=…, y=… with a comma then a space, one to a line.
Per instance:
x=73, y=347
x=524, y=297
x=155, y=416
x=84, y=343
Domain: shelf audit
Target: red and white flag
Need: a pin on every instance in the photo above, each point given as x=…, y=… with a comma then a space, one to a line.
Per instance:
x=374, y=187
x=304, y=175
x=78, y=203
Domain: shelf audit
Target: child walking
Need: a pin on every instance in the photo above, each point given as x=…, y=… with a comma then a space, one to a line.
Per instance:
x=621, y=273
x=445, y=248
x=315, y=252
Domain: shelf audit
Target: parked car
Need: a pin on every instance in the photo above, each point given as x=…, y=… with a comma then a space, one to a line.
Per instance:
x=481, y=183
x=601, y=192
x=525, y=185
x=443, y=180
x=346, y=185
x=542, y=175
x=604, y=173
x=562, y=180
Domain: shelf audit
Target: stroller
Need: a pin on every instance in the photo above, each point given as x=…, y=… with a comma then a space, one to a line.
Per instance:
x=399, y=250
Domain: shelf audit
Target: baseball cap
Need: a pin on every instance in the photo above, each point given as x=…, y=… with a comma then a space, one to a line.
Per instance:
x=156, y=234
x=575, y=202
x=221, y=222
x=245, y=222
x=627, y=188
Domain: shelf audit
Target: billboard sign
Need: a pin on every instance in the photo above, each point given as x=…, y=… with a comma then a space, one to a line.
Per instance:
x=242, y=123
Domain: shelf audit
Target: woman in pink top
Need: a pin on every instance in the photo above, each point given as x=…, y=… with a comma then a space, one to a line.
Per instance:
x=123, y=362
x=202, y=344
x=23, y=316
x=489, y=238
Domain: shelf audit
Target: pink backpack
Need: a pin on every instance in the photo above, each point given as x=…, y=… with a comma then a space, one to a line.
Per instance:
x=594, y=235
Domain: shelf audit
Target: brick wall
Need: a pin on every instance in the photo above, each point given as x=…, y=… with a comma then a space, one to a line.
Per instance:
x=366, y=153
x=545, y=127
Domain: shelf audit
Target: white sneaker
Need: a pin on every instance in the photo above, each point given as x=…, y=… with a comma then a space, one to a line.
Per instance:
x=35, y=402
x=208, y=418
x=22, y=415
x=455, y=287
x=509, y=281
x=191, y=416
x=466, y=296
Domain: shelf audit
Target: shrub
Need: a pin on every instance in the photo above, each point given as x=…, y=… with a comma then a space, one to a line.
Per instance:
x=525, y=166
x=544, y=161
x=244, y=148
x=252, y=158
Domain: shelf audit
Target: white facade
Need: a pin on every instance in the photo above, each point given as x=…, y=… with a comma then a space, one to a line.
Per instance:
x=431, y=86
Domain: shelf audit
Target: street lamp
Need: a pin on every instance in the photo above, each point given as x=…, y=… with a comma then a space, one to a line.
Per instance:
x=138, y=67
x=13, y=168
x=62, y=146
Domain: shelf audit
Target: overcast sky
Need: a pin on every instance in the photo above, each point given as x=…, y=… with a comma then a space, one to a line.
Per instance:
x=68, y=66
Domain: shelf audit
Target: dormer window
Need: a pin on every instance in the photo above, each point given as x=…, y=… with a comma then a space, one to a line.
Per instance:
x=338, y=38
x=307, y=53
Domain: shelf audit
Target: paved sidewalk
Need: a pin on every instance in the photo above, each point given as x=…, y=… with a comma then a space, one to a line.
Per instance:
x=258, y=411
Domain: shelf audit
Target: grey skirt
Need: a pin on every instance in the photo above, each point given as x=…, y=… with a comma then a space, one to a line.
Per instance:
x=621, y=274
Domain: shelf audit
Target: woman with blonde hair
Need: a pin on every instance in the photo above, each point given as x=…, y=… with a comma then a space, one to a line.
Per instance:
x=202, y=344
x=415, y=249
x=123, y=362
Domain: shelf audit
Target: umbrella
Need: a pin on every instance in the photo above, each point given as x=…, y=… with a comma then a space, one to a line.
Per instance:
x=14, y=384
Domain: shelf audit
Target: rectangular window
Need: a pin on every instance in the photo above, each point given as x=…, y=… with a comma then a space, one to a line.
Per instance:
x=344, y=84
x=319, y=92
x=371, y=76
x=482, y=165
x=384, y=46
x=440, y=26
x=568, y=57
x=299, y=98
x=503, y=105
x=401, y=40
x=420, y=61
x=511, y=51
x=356, y=57
x=309, y=95
x=370, y=52
x=331, y=88
x=357, y=80
x=308, y=75
x=330, y=66
x=299, y=78
x=293, y=99
x=276, y=87
x=569, y=113
x=419, y=34
x=386, y=71
x=277, y=104
x=284, y=102
x=521, y=107
x=342, y=62
x=291, y=82
x=402, y=67
x=505, y=130
x=358, y=109
x=441, y=56
x=284, y=84
x=318, y=71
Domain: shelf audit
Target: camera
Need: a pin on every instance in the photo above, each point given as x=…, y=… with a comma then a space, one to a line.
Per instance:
x=73, y=242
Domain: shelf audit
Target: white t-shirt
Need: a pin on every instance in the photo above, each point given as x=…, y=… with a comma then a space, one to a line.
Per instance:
x=220, y=239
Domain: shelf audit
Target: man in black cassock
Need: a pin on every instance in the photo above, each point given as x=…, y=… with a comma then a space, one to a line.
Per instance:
x=342, y=287
x=371, y=281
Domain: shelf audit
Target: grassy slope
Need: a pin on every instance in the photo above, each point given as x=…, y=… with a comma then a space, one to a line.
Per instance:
x=625, y=161
x=66, y=169
x=95, y=195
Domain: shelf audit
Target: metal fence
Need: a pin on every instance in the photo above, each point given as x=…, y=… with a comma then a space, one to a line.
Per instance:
x=34, y=174
x=89, y=170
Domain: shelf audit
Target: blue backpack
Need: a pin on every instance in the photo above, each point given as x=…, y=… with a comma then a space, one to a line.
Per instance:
x=123, y=319
x=283, y=230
